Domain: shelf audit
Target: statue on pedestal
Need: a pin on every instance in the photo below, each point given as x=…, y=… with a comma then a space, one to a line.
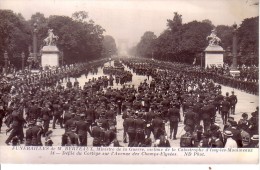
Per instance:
x=50, y=52
x=51, y=39
x=213, y=39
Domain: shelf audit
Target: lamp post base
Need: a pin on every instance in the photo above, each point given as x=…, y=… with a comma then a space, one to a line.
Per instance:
x=235, y=73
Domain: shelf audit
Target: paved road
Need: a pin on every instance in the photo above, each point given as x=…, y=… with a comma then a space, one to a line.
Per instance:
x=246, y=103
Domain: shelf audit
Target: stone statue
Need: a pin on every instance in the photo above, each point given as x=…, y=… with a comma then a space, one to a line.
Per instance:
x=213, y=39
x=51, y=39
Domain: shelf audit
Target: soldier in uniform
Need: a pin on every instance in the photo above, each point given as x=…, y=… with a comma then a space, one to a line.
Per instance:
x=139, y=129
x=17, y=125
x=130, y=127
x=28, y=133
x=189, y=119
x=225, y=106
x=98, y=134
x=70, y=122
x=58, y=111
x=174, y=118
x=70, y=138
x=233, y=102
x=37, y=132
x=69, y=84
x=158, y=126
x=46, y=117
x=82, y=128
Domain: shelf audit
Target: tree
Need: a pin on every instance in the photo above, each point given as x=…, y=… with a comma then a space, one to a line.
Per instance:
x=79, y=40
x=15, y=36
x=109, y=46
x=80, y=16
x=146, y=44
x=248, y=35
x=42, y=28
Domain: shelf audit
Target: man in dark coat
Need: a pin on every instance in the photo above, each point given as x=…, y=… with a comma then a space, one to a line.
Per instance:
x=189, y=119
x=130, y=128
x=98, y=134
x=225, y=106
x=139, y=129
x=174, y=118
x=46, y=117
x=37, y=132
x=82, y=128
x=158, y=126
x=17, y=125
x=233, y=102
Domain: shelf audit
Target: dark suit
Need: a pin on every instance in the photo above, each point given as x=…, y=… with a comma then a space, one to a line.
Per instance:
x=82, y=129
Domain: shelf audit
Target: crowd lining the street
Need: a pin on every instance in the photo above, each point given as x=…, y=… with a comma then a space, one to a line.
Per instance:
x=151, y=112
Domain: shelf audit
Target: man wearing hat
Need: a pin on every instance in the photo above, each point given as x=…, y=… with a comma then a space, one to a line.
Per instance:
x=98, y=134
x=216, y=141
x=37, y=131
x=189, y=119
x=46, y=117
x=225, y=106
x=229, y=141
x=158, y=126
x=174, y=118
x=82, y=129
x=29, y=134
x=236, y=133
x=243, y=123
x=70, y=138
x=17, y=125
x=254, y=141
x=233, y=102
x=70, y=122
x=130, y=128
x=139, y=129
x=254, y=123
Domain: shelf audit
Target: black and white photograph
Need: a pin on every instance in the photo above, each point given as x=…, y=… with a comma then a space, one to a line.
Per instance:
x=127, y=81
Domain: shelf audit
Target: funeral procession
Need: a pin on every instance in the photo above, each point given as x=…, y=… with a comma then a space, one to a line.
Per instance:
x=179, y=79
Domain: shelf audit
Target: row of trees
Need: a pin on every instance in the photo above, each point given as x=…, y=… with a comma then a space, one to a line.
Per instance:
x=80, y=39
x=184, y=42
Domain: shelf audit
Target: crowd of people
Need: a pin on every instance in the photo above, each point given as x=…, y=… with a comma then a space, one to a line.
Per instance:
x=151, y=112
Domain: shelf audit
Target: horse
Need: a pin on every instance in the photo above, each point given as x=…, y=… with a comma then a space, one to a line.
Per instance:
x=50, y=40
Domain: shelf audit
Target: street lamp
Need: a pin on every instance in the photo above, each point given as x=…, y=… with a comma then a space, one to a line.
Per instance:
x=234, y=71
x=110, y=58
x=35, y=30
x=23, y=56
x=6, y=60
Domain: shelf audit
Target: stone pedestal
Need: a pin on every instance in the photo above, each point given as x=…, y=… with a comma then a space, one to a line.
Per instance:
x=214, y=56
x=50, y=56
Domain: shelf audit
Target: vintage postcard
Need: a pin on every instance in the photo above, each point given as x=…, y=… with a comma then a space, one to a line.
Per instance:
x=129, y=82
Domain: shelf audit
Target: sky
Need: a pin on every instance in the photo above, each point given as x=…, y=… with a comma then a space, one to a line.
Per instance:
x=128, y=20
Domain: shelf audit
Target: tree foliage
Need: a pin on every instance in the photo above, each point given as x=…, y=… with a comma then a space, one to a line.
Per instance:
x=14, y=36
x=109, y=46
x=183, y=42
x=146, y=43
x=80, y=38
